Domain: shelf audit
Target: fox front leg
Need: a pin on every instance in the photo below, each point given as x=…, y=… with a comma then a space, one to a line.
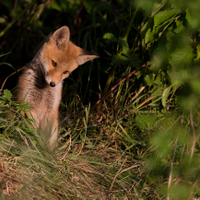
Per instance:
x=49, y=127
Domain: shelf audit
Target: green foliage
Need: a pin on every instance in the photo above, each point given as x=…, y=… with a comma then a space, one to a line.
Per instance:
x=171, y=37
x=145, y=87
x=170, y=34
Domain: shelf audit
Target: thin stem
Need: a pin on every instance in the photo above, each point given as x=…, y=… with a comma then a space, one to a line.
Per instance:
x=194, y=136
x=171, y=170
x=130, y=24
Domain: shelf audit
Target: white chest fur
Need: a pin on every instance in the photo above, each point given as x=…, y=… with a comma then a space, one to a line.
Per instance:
x=44, y=99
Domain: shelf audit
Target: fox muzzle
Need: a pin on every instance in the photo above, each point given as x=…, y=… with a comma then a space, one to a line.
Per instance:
x=52, y=84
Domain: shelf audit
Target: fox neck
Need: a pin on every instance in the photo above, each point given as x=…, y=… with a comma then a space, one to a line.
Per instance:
x=39, y=78
x=39, y=73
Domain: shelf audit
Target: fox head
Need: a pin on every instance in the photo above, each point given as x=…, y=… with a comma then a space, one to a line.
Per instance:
x=60, y=56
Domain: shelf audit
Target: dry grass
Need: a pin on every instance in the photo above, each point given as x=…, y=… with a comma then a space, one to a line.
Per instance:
x=91, y=162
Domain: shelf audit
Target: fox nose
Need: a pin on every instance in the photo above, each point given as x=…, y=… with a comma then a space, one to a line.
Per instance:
x=52, y=84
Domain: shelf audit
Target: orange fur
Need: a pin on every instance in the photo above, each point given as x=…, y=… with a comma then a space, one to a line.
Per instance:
x=41, y=82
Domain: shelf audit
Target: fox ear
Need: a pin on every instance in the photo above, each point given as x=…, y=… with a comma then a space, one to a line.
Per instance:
x=61, y=37
x=85, y=56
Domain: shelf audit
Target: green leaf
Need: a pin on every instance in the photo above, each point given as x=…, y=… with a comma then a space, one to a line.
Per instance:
x=179, y=27
x=110, y=36
x=123, y=43
x=181, y=56
x=165, y=95
x=157, y=31
x=178, y=77
x=2, y=20
x=146, y=5
x=198, y=52
x=162, y=21
x=132, y=57
x=119, y=60
x=157, y=7
x=126, y=51
x=7, y=94
x=192, y=16
x=55, y=5
x=149, y=79
x=195, y=85
x=149, y=36
x=145, y=121
x=162, y=16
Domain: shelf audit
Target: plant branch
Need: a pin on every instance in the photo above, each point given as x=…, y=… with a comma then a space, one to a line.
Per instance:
x=113, y=88
x=2, y=86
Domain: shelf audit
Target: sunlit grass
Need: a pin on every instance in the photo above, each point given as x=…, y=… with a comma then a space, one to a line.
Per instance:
x=93, y=159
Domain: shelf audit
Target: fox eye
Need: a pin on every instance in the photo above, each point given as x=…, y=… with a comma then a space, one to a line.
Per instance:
x=54, y=63
x=65, y=72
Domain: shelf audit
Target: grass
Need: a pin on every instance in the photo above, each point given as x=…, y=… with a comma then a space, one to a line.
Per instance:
x=97, y=157
x=119, y=152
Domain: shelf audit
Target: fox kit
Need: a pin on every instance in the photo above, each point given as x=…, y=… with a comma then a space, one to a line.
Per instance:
x=40, y=84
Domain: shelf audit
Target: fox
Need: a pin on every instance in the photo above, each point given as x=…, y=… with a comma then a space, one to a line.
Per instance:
x=40, y=84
